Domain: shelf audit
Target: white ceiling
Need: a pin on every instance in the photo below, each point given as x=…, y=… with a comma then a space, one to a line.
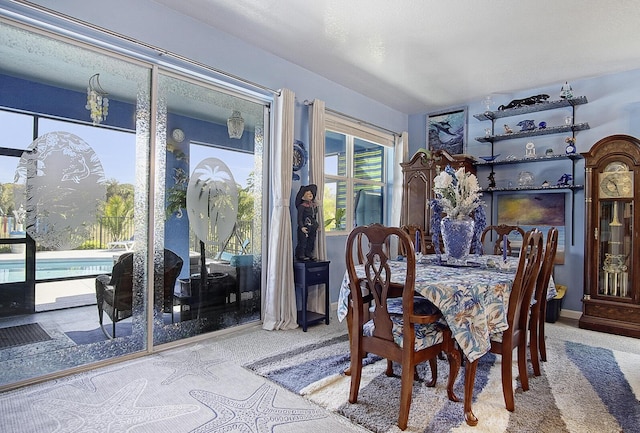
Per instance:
x=422, y=55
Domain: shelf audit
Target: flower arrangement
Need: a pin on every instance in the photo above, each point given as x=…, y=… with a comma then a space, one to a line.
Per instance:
x=457, y=192
x=458, y=196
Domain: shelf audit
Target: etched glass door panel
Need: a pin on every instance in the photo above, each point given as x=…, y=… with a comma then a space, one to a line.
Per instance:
x=66, y=164
x=213, y=211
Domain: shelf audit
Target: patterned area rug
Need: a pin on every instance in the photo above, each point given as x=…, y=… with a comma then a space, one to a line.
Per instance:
x=582, y=389
x=22, y=334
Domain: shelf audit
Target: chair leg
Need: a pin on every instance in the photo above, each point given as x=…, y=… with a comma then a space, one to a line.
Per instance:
x=356, y=374
x=469, y=380
x=541, y=343
x=406, y=388
x=455, y=360
x=507, y=377
x=533, y=344
x=433, y=365
x=522, y=363
x=389, y=370
x=104, y=331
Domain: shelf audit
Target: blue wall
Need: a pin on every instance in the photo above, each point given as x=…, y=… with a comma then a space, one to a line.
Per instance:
x=156, y=25
x=613, y=108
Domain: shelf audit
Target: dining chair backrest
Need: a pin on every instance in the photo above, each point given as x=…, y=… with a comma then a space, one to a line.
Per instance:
x=547, y=267
x=539, y=308
x=501, y=230
x=391, y=332
x=515, y=336
x=525, y=280
x=376, y=261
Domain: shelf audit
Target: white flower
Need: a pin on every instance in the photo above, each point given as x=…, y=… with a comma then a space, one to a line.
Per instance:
x=458, y=192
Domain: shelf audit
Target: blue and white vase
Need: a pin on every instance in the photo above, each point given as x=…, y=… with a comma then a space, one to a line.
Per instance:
x=457, y=235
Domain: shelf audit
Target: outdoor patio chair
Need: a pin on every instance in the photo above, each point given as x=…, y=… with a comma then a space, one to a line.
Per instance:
x=114, y=292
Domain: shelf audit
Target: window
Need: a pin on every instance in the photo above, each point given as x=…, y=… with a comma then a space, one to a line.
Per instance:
x=356, y=159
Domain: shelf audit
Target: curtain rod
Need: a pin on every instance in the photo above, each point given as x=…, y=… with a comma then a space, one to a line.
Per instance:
x=358, y=121
x=159, y=51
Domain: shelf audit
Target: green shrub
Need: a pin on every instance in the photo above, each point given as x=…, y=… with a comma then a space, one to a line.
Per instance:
x=91, y=245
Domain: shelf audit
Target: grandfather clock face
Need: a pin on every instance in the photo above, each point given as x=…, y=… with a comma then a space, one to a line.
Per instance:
x=616, y=181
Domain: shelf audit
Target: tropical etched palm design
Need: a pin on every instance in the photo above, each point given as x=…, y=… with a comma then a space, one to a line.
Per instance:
x=212, y=201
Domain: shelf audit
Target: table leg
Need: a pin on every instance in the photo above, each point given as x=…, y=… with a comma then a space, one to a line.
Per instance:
x=469, y=381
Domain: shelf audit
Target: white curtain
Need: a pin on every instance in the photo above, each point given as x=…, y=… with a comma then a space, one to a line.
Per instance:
x=280, y=310
x=316, y=300
x=399, y=155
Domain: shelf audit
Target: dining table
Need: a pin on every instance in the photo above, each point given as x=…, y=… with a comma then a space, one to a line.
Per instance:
x=473, y=297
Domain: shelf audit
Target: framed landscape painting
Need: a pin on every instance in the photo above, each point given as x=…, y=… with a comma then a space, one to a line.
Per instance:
x=447, y=130
x=543, y=211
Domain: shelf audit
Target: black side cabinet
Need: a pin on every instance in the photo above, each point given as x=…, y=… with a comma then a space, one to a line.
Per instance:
x=310, y=273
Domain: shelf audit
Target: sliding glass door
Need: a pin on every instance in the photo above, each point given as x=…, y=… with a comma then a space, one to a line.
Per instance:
x=131, y=205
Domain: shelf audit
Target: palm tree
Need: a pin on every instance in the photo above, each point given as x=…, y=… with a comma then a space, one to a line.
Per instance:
x=117, y=212
x=212, y=207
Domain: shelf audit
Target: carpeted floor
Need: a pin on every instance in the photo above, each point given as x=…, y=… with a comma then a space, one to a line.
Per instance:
x=583, y=389
x=203, y=387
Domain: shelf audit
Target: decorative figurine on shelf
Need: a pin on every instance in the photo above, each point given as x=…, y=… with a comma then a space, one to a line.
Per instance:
x=571, y=145
x=545, y=184
x=525, y=179
x=307, y=222
x=527, y=125
x=566, y=92
x=565, y=180
x=548, y=152
x=531, y=100
x=530, y=150
x=507, y=129
x=492, y=180
x=542, y=125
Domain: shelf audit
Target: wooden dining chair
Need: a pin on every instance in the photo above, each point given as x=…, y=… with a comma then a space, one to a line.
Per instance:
x=537, y=347
x=518, y=316
x=367, y=297
x=501, y=230
x=404, y=328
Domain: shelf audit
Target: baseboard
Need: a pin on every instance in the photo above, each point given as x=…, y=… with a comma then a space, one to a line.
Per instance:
x=571, y=314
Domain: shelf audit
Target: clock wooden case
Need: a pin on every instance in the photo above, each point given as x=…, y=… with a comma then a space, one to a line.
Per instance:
x=612, y=241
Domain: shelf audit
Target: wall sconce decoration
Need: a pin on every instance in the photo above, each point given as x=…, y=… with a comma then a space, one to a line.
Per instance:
x=97, y=101
x=235, y=125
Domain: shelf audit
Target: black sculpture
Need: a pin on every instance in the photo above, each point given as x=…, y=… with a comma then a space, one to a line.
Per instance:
x=307, y=222
x=531, y=100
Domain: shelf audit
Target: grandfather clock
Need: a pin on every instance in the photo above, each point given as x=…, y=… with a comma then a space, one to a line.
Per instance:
x=417, y=187
x=612, y=244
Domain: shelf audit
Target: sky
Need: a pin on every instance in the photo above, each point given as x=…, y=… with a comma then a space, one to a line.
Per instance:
x=115, y=149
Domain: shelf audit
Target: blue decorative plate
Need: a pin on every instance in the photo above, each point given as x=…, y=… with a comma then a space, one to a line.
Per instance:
x=490, y=157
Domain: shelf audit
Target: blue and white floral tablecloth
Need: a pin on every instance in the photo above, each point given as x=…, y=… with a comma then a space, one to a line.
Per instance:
x=473, y=300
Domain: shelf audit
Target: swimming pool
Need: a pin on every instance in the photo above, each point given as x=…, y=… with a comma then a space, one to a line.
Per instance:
x=13, y=270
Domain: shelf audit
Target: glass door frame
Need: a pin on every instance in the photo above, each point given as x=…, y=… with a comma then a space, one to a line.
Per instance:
x=19, y=296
